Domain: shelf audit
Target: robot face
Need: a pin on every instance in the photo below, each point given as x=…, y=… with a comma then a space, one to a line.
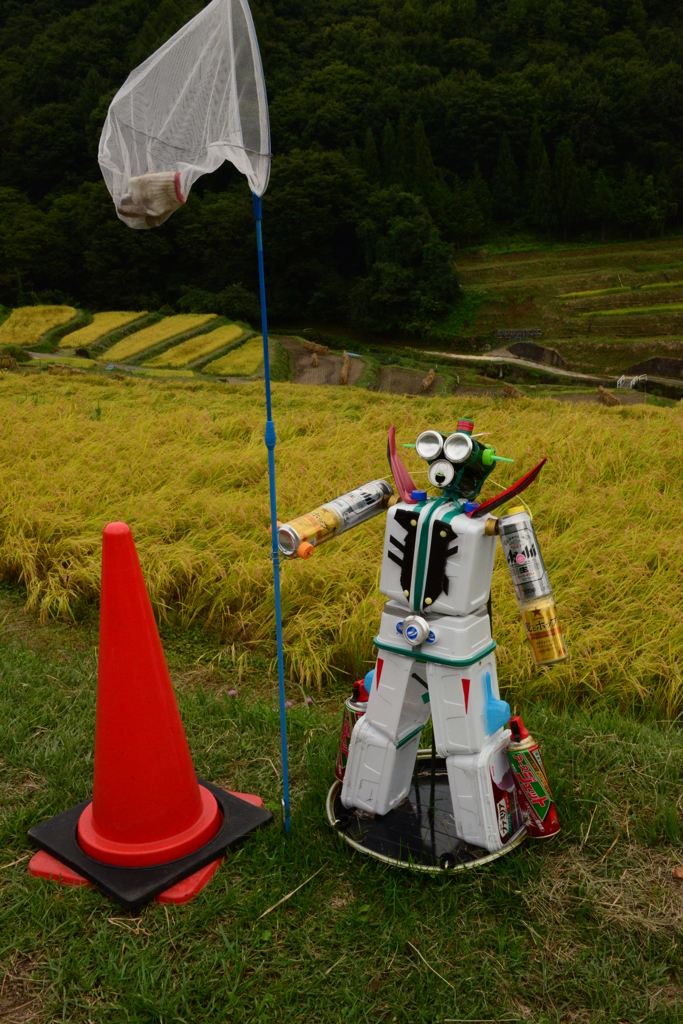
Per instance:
x=444, y=453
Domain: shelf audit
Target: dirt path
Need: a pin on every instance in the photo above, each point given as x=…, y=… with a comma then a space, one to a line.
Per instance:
x=491, y=358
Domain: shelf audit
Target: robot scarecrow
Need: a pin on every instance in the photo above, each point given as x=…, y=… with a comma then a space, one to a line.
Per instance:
x=435, y=650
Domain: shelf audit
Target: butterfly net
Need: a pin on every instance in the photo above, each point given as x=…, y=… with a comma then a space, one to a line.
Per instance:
x=198, y=100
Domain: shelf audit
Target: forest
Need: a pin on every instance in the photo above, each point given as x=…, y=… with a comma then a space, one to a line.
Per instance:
x=402, y=130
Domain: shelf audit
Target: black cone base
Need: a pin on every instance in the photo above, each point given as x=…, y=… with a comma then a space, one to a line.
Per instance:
x=409, y=836
x=134, y=886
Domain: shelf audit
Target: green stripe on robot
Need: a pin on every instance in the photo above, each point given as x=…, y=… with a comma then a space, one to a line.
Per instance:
x=409, y=736
x=424, y=657
x=422, y=545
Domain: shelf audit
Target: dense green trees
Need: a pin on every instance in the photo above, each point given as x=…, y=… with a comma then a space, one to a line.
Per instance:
x=402, y=129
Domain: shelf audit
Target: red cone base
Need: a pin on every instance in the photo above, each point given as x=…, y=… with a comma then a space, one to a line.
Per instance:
x=44, y=865
x=140, y=855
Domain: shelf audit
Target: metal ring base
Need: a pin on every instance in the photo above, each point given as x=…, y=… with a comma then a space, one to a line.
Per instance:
x=408, y=836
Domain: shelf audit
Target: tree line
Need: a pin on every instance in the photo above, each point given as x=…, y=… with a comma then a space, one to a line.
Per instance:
x=402, y=131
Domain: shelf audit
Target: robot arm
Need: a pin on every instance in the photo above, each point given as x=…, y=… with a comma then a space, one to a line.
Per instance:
x=300, y=536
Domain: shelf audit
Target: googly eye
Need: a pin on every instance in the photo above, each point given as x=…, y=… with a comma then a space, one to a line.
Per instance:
x=458, y=447
x=429, y=445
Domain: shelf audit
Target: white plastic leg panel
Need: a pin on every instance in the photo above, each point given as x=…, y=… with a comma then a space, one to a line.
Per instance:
x=458, y=699
x=485, y=804
x=378, y=774
x=399, y=703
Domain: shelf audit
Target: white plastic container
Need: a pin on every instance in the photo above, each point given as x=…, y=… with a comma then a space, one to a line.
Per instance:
x=398, y=703
x=457, y=637
x=485, y=804
x=378, y=772
x=468, y=570
x=465, y=705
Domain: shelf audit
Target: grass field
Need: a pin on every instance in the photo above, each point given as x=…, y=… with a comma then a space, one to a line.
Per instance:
x=185, y=465
x=583, y=929
x=149, y=337
x=102, y=324
x=241, y=362
x=194, y=348
x=27, y=324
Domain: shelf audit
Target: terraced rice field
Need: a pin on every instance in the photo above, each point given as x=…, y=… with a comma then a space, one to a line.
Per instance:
x=194, y=348
x=587, y=301
x=27, y=324
x=244, y=361
x=102, y=324
x=149, y=337
x=670, y=307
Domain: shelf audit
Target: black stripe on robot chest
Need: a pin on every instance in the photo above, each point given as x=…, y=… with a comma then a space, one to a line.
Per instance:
x=440, y=550
x=408, y=520
x=436, y=581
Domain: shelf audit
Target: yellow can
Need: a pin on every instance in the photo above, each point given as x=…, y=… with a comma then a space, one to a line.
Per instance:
x=543, y=630
x=310, y=529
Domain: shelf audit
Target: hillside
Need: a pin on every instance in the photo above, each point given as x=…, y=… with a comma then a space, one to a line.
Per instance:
x=603, y=309
x=401, y=130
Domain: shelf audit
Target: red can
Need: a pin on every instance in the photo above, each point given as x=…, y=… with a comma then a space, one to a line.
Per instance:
x=354, y=708
x=531, y=779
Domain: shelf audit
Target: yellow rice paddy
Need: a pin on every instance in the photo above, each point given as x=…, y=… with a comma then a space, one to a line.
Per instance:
x=668, y=307
x=185, y=465
x=244, y=361
x=148, y=337
x=102, y=324
x=27, y=324
x=195, y=348
x=77, y=361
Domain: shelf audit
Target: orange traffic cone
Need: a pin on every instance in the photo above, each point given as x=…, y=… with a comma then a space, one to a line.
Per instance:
x=150, y=823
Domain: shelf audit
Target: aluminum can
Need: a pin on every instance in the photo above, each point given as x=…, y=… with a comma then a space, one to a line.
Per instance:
x=543, y=631
x=334, y=517
x=523, y=555
x=532, y=586
x=353, y=711
x=538, y=810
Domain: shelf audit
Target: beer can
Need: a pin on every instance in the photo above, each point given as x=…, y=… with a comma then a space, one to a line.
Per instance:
x=334, y=517
x=543, y=631
x=538, y=810
x=354, y=709
x=523, y=555
x=532, y=586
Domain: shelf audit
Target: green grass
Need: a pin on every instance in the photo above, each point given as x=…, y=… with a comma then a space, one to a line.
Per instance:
x=464, y=313
x=580, y=929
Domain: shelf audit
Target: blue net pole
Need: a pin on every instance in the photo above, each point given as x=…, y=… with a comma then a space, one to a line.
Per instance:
x=270, y=445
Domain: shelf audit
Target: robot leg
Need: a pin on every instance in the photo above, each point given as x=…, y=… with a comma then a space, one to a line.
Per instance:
x=384, y=743
x=468, y=719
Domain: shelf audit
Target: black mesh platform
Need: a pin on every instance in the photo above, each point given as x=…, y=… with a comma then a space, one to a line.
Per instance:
x=410, y=836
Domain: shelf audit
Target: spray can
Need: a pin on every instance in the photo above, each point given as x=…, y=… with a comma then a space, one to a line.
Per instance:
x=532, y=586
x=354, y=709
x=538, y=810
x=301, y=535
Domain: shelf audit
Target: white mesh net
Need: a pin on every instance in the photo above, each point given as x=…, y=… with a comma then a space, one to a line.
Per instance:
x=198, y=100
